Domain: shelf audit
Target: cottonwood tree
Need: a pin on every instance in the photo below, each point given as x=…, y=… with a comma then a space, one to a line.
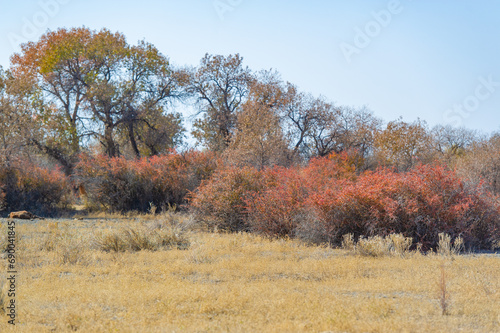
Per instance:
x=323, y=136
x=305, y=120
x=94, y=84
x=317, y=127
x=154, y=133
x=451, y=143
x=357, y=133
x=403, y=144
x=152, y=87
x=18, y=122
x=60, y=93
x=220, y=85
x=481, y=163
x=259, y=139
x=8, y=135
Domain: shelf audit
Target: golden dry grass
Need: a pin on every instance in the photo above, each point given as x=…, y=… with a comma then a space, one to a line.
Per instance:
x=241, y=283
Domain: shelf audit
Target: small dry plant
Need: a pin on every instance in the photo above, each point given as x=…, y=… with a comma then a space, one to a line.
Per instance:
x=69, y=246
x=109, y=241
x=72, y=251
x=52, y=238
x=447, y=248
x=152, y=208
x=444, y=298
x=377, y=246
x=161, y=234
x=348, y=242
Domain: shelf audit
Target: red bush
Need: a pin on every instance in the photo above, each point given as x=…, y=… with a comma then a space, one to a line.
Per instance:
x=273, y=210
x=327, y=198
x=119, y=184
x=277, y=209
x=420, y=204
x=265, y=201
x=321, y=171
x=25, y=186
x=220, y=201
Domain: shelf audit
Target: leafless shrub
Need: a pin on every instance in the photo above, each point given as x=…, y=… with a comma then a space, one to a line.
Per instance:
x=448, y=248
x=109, y=242
x=400, y=245
x=153, y=237
x=348, y=242
x=72, y=252
x=309, y=228
x=377, y=246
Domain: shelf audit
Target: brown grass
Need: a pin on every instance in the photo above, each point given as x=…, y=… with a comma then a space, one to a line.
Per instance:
x=240, y=283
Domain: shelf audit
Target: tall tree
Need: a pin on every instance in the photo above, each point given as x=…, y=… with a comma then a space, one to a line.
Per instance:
x=59, y=91
x=481, y=163
x=220, y=85
x=301, y=115
x=358, y=130
x=403, y=144
x=451, y=143
x=19, y=121
x=259, y=139
x=95, y=83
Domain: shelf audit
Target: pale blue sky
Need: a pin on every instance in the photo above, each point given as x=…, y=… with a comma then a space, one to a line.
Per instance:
x=437, y=60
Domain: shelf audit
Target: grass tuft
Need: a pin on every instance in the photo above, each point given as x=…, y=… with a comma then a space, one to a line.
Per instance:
x=448, y=248
x=377, y=246
x=167, y=232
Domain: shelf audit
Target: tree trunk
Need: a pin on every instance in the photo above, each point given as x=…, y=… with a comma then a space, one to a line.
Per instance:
x=66, y=161
x=131, y=137
x=109, y=142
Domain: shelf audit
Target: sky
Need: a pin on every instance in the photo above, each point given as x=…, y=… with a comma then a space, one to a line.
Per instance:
x=434, y=60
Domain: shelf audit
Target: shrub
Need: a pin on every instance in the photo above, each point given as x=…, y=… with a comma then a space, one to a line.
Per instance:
x=25, y=186
x=142, y=237
x=273, y=210
x=280, y=208
x=220, y=201
x=419, y=204
x=321, y=172
x=446, y=248
x=326, y=200
x=122, y=185
x=377, y=246
x=270, y=200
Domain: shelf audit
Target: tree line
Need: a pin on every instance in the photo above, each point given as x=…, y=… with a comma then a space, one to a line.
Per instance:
x=81, y=90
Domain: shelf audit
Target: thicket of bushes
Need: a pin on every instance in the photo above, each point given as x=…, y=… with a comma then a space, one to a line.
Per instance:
x=119, y=184
x=318, y=202
x=326, y=200
x=25, y=186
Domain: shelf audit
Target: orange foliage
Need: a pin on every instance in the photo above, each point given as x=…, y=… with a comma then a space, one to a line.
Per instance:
x=420, y=203
x=26, y=186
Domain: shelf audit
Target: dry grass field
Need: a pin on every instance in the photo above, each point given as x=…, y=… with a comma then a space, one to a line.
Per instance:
x=215, y=282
